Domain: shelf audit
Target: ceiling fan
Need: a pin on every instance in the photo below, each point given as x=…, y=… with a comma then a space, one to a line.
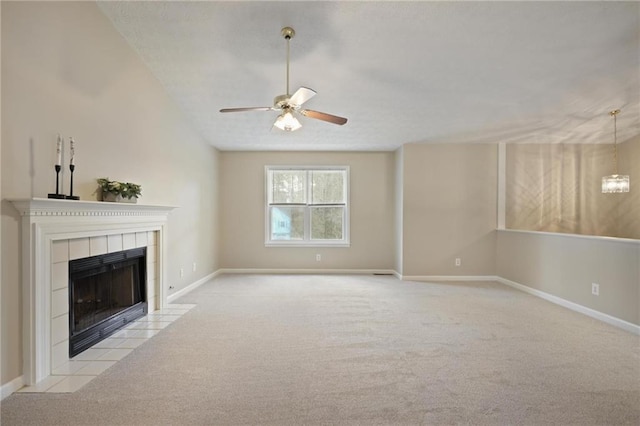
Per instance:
x=290, y=105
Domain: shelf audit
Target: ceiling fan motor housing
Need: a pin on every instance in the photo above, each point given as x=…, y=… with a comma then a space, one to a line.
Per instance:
x=281, y=102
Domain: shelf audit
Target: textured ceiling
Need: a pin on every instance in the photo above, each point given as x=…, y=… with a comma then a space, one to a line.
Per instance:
x=401, y=72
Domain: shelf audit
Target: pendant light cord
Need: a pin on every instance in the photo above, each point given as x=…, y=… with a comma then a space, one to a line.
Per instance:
x=615, y=140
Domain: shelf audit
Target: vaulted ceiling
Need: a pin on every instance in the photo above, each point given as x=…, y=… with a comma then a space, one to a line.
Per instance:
x=401, y=72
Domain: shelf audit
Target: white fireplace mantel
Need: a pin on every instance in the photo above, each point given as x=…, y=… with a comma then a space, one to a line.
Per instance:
x=46, y=221
x=54, y=207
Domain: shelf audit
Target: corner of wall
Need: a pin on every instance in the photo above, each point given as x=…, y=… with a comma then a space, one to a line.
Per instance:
x=399, y=209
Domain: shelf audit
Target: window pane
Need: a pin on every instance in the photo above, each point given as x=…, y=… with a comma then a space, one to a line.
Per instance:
x=327, y=187
x=287, y=223
x=327, y=223
x=288, y=186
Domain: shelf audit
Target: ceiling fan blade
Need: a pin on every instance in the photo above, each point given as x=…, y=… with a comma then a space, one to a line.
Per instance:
x=323, y=116
x=301, y=96
x=246, y=109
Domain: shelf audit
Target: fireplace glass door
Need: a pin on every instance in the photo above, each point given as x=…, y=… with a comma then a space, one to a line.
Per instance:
x=106, y=292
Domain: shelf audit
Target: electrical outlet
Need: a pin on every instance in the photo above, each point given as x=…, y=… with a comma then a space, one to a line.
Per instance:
x=458, y=261
x=595, y=289
x=181, y=272
x=194, y=266
x=318, y=257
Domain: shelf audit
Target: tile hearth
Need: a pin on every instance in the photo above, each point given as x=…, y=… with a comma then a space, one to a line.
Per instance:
x=88, y=365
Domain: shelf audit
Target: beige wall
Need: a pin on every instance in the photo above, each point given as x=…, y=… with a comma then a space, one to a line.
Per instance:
x=2, y=323
x=567, y=265
x=629, y=207
x=557, y=188
x=449, y=209
x=66, y=70
x=243, y=212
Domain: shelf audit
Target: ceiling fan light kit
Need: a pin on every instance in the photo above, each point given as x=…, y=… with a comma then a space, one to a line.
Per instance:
x=287, y=122
x=290, y=105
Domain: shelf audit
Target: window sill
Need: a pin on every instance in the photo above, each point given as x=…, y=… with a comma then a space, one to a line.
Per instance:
x=307, y=244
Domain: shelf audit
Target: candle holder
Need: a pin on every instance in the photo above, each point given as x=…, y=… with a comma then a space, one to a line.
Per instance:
x=57, y=194
x=71, y=196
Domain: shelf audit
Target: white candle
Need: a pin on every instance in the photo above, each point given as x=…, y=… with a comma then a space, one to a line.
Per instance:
x=73, y=152
x=59, y=151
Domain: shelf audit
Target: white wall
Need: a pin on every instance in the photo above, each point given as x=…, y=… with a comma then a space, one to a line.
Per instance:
x=66, y=70
x=243, y=212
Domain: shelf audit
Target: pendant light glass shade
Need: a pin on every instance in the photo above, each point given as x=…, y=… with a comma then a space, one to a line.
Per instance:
x=615, y=183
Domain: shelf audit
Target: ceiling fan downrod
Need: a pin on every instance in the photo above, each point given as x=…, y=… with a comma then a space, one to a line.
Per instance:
x=288, y=33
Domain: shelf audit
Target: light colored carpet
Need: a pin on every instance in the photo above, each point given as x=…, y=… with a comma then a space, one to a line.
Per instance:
x=292, y=350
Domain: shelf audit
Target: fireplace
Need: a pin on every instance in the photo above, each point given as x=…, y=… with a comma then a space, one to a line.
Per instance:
x=57, y=232
x=106, y=292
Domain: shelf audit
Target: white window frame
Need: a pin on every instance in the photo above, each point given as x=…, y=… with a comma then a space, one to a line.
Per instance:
x=307, y=241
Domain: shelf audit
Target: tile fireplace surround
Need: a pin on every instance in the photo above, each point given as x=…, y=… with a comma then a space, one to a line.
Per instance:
x=56, y=231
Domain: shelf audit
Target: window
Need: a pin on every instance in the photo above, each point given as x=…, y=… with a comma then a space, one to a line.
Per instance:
x=307, y=206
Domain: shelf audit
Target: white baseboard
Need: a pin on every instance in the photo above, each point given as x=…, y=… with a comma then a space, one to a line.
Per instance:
x=308, y=271
x=439, y=278
x=617, y=322
x=9, y=388
x=193, y=286
x=611, y=320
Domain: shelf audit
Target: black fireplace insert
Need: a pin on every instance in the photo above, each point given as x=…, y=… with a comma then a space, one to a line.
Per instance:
x=106, y=292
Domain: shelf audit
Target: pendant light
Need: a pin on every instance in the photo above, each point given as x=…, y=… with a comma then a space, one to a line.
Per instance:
x=615, y=183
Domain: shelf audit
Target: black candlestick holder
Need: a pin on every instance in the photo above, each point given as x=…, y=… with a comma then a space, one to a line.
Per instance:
x=58, y=195
x=71, y=196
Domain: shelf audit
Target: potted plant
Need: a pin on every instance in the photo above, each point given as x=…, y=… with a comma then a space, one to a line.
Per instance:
x=125, y=192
